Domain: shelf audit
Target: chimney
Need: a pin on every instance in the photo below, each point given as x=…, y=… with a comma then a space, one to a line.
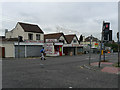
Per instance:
x=6, y=30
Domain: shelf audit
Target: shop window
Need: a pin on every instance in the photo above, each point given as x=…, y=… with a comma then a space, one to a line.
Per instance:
x=37, y=36
x=30, y=36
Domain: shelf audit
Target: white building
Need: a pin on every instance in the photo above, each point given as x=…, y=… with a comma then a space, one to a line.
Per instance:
x=54, y=44
x=73, y=45
x=33, y=41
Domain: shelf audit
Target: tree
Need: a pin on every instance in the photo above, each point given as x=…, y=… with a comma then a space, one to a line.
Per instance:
x=113, y=46
x=81, y=38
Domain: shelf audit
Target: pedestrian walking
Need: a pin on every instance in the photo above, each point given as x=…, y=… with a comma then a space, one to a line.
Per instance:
x=42, y=54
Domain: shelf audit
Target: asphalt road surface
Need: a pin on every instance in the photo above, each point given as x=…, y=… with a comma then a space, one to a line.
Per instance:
x=56, y=72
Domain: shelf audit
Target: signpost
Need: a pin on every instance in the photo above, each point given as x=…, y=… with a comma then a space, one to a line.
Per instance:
x=100, y=49
x=90, y=50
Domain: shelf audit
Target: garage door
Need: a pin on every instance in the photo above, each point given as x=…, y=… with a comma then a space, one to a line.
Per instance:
x=33, y=51
x=21, y=52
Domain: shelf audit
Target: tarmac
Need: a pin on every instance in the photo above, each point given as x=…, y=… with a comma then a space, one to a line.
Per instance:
x=59, y=72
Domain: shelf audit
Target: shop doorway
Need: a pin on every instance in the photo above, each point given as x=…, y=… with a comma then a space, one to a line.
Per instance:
x=58, y=50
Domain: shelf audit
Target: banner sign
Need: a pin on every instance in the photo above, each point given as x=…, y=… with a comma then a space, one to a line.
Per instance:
x=48, y=48
x=96, y=44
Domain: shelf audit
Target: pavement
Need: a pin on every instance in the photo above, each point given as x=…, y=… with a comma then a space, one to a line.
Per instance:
x=58, y=72
x=104, y=67
x=107, y=66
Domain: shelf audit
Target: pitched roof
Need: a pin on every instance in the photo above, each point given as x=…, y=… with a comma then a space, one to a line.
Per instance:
x=69, y=38
x=53, y=36
x=30, y=27
x=93, y=39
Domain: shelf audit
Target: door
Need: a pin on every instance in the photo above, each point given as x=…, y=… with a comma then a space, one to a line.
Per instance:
x=60, y=50
x=3, y=52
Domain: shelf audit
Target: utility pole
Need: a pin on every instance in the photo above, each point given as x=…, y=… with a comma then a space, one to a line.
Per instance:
x=90, y=50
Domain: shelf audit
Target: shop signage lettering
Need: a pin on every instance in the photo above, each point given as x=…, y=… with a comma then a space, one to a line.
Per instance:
x=51, y=40
x=29, y=41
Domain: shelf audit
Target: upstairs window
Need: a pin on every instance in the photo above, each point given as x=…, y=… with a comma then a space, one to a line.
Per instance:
x=74, y=41
x=37, y=36
x=30, y=36
x=62, y=41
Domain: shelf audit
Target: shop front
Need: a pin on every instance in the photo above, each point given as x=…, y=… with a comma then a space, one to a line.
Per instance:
x=71, y=49
x=53, y=49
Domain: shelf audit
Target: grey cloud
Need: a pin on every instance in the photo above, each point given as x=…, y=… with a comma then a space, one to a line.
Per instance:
x=78, y=17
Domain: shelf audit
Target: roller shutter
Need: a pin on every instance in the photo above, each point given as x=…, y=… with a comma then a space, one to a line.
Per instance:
x=33, y=50
x=21, y=51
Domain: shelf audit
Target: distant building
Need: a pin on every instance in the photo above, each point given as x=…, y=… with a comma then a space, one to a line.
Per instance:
x=95, y=42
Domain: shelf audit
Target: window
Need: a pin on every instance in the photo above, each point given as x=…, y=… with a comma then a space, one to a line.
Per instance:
x=62, y=41
x=74, y=41
x=37, y=36
x=30, y=36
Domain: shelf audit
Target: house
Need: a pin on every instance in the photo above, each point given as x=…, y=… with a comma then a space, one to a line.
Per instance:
x=54, y=44
x=73, y=45
x=27, y=31
x=33, y=41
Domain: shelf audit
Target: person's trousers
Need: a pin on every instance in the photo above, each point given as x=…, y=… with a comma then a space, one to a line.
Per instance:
x=42, y=56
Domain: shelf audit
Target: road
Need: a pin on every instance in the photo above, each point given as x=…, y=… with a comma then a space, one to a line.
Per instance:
x=56, y=72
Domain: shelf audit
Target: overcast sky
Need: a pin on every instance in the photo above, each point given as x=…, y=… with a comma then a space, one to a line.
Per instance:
x=69, y=17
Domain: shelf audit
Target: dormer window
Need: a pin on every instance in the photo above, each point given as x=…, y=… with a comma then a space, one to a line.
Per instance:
x=37, y=36
x=30, y=36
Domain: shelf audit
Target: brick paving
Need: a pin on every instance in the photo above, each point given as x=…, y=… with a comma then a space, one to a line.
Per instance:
x=106, y=63
x=107, y=67
x=113, y=70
